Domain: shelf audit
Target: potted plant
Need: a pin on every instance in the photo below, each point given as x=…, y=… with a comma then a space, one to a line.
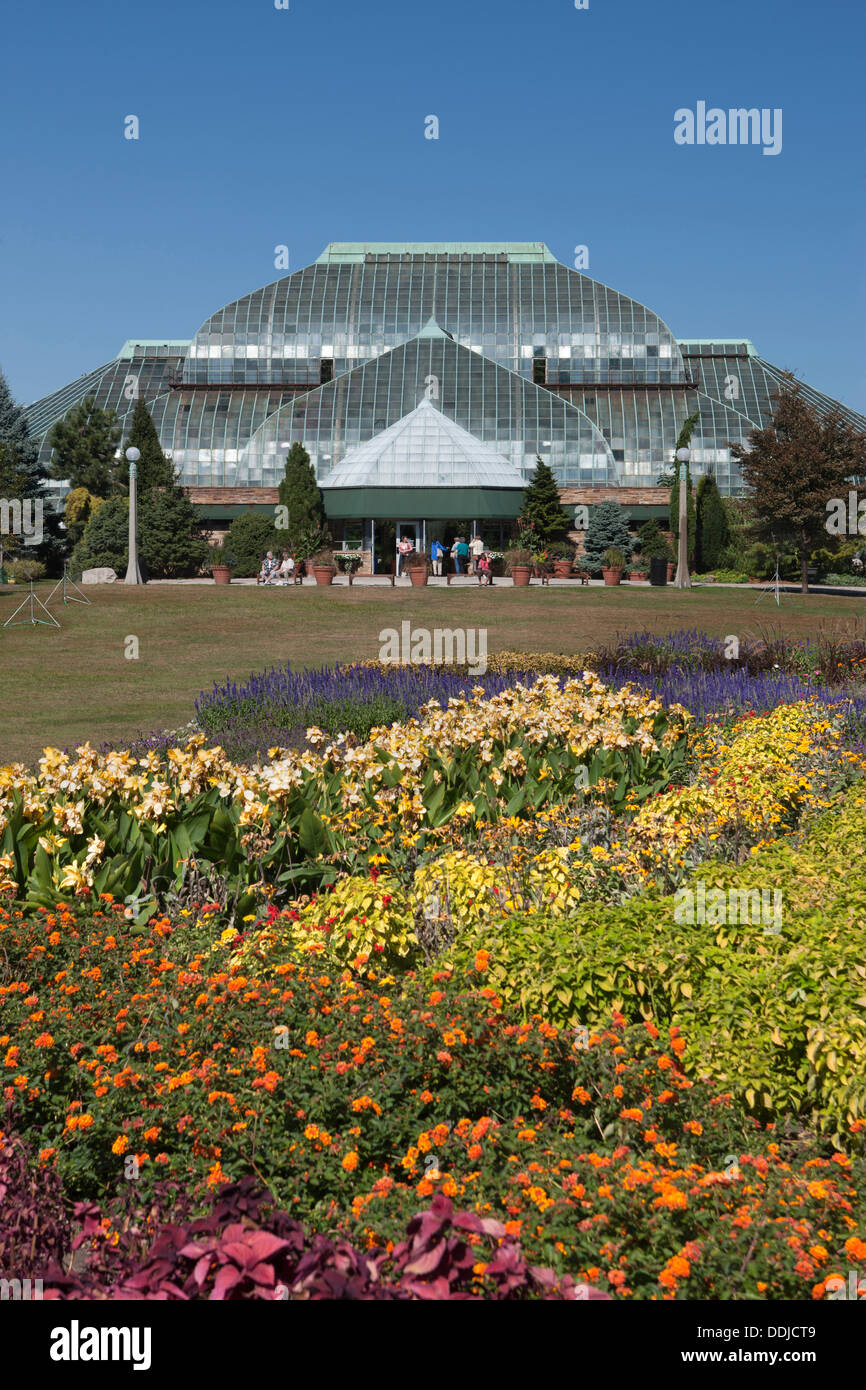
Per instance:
x=655, y=546
x=349, y=562
x=639, y=568
x=612, y=565
x=220, y=563
x=563, y=561
x=416, y=567
x=519, y=564
x=324, y=568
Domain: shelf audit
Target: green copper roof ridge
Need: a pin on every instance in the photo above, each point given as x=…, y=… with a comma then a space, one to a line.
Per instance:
x=343, y=252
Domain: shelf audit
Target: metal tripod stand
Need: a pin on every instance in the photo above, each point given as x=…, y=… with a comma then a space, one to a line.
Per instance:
x=32, y=603
x=65, y=585
x=772, y=588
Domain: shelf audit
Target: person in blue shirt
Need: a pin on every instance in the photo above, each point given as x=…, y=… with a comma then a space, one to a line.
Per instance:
x=437, y=550
x=461, y=555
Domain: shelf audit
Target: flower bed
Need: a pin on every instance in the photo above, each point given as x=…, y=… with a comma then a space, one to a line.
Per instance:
x=90, y=824
x=357, y=1101
x=440, y=967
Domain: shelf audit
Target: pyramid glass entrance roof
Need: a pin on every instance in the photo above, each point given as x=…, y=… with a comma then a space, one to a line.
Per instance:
x=424, y=449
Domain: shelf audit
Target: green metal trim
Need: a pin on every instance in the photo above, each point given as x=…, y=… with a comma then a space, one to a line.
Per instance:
x=219, y=511
x=349, y=252
x=434, y=504
x=645, y=512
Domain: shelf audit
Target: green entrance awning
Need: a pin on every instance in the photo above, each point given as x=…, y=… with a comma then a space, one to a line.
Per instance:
x=432, y=503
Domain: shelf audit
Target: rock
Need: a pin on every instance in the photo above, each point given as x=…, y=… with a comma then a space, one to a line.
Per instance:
x=99, y=576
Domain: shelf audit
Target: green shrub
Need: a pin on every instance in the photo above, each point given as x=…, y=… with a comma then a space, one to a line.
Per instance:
x=780, y=1019
x=249, y=538
x=23, y=571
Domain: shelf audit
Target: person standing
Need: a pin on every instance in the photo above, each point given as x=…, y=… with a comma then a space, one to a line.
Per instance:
x=404, y=549
x=462, y=555
x=437, y=550
x=477, y=548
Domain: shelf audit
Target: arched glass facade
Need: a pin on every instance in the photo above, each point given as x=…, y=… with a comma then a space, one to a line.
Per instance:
x=493, y=404
x=529, y=356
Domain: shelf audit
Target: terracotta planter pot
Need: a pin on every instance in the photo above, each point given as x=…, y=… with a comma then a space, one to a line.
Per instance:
x=562, y=569
x=612, y=576
x=672, y=569
x=221, y=574
x=639, y=574
x=324, y=574
x=418, y=576
x=521, y=574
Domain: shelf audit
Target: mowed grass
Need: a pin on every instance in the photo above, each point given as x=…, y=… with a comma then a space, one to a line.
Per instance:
x=62, y=687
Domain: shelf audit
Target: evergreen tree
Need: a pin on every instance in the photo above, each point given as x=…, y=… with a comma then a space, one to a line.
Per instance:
x=607, y=527
x=105, y=539
x=170, y=542
x=711, y=533
x=20, y=452
x=541, y=505
x=794, y=467
x=85, y=444
x=653, y=545
x=154, y=469
x=249, y=537
x=22, y=477
x=300, y=496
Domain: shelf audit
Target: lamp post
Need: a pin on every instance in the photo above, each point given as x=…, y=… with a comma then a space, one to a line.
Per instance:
x=133, y=573
x=681, y=578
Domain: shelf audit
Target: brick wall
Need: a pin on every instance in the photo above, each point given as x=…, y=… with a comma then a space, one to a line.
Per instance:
x=626, y=496
x=233, y=496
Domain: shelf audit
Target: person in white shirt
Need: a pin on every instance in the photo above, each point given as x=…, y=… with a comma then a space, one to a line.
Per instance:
x=477, y=549
x=404, y=549
x=286, y=572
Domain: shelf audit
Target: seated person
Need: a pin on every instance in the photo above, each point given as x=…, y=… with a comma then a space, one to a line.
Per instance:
x=482, y=566
x=268, y=569
x=286, y=572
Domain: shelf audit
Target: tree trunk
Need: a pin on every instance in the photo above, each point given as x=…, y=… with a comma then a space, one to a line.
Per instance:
x=804, y=571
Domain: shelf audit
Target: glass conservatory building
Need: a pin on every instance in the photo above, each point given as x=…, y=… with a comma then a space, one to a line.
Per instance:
x=424, y=380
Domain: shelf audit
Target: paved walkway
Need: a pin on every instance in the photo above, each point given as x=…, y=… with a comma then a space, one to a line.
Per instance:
x=468, y=581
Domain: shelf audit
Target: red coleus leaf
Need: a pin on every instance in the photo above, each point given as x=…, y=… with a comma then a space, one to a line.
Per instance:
x=263, y=1246
x=428, y=1261
x=225, y=1282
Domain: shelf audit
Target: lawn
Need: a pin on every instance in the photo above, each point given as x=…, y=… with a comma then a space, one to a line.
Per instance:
x=62, y=687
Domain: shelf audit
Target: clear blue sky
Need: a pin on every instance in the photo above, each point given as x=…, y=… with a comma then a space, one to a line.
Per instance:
x=262, y=126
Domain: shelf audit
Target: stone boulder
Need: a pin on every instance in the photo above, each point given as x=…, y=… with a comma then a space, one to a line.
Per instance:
x=99, y=576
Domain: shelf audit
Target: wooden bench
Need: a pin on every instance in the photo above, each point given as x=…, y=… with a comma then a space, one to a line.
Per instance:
x=388, y=574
